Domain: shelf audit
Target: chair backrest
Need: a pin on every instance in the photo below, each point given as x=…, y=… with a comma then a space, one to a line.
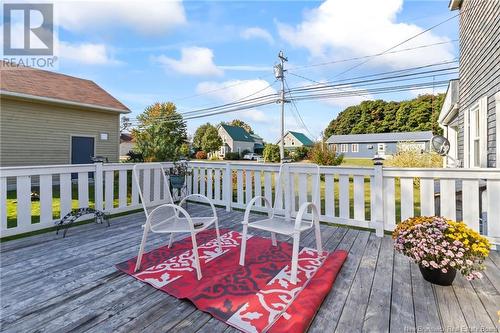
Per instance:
x=152, y=185
x=296, y=183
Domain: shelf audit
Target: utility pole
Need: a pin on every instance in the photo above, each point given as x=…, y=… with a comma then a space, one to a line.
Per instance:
x=279, y=73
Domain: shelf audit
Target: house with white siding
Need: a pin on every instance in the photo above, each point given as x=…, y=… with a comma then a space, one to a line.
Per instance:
x=292, y=140
x=236, y=139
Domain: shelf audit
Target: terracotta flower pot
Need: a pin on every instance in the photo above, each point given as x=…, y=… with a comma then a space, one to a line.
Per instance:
x=436, y=276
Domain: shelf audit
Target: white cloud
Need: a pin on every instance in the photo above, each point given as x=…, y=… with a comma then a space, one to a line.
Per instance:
x=86, y=53
x=330, y=31
x=233, y=90
x=256, y=32
x=194, y=61
x=152, y=17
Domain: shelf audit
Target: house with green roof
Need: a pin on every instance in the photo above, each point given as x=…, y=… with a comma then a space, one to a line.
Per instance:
x=237, y=139
x=296, y=139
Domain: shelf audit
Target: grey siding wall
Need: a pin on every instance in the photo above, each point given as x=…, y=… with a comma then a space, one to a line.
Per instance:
x=479, y=65
x=40, y=134
x=366, y=152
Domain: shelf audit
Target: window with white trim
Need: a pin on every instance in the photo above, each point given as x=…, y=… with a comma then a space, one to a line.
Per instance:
x=344, y=148
x=477, y=137
x=355, y=148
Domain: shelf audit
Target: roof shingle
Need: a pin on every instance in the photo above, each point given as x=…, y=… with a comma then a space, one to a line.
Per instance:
x=46, y=84
x=238, y=133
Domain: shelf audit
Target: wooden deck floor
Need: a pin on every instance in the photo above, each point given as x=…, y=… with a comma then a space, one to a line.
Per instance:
x=50, y=284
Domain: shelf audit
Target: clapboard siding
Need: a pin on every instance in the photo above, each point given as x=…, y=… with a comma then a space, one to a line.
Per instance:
x=479, y=65
x=40, y=134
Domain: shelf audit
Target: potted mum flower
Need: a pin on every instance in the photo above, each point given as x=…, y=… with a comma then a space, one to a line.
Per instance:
x=441, y=247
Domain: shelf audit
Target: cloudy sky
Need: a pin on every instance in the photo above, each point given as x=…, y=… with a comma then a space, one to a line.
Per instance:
x=202, y=54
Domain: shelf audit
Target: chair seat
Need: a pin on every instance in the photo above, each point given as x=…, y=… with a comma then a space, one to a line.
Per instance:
x=280, y=225
x=181, y=224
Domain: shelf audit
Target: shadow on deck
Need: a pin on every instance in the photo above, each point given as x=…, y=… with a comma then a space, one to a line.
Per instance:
x=53, y=284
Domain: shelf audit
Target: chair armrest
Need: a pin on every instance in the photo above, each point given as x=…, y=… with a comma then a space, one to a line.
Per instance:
x=250, y=205
x=302, y=210
x=214, y=212
x=177, y=209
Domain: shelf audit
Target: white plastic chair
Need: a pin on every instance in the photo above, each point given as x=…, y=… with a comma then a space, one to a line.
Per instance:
x=280, y=217
x=163, y=216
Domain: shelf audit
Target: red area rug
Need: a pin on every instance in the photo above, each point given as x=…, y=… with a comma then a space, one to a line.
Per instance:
x=255, y=298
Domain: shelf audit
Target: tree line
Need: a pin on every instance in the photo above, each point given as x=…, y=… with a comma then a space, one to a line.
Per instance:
x=379, y=116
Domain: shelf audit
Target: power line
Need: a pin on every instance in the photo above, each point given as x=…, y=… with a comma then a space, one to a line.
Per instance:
x=233, y=103
x=327, y=85
x=301, y=121
x=399, y=44
x=370, y=56
x=301, y=92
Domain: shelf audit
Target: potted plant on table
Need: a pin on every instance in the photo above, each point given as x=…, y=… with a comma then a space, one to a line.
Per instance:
x=442, y=247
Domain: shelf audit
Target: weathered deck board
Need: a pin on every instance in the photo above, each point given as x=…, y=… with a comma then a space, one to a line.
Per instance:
x=50, y=284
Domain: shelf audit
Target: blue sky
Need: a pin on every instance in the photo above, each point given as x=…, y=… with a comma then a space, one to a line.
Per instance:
x=143, y=52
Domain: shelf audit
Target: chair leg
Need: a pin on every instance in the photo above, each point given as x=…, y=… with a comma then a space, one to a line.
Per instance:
x=218, y=234
x=141, y=248
x=171, y=240
x=243, y=244
x=317, y=232
x=196, y=256
x=273, y=239
x=295, y=257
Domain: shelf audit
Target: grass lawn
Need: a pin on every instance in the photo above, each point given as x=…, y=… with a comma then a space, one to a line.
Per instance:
x=56, y=202
x=360, y=162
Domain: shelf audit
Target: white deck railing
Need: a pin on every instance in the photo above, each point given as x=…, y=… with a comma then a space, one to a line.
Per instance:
x=370, y=197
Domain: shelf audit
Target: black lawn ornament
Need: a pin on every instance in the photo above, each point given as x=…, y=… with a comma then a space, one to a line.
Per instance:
x=99, y=217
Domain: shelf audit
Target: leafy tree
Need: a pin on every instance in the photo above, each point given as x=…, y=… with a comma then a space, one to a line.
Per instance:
x=211, y=140
x=322, y=155
x=301, y=153
x=156, y=138
x=378, y=116
x=242, y=124
x=271, y=153
x=184, y=150
x=199, y=133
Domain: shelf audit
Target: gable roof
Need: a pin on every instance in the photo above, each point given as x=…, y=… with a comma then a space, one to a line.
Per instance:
x=381, y=137
x=31, y=83
x=237, y=133
x=301, y=137
x=256, y=137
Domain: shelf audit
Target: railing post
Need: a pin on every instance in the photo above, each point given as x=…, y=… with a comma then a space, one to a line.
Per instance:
x=378, y=213
x=228, y=187
x=98, y=186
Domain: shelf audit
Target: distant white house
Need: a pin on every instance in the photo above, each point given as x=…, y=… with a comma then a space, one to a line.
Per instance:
x=293, y=140
x=236, y=139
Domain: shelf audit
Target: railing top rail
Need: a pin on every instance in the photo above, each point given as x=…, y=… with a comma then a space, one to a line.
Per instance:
x=489, y=173
x=45, y=170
